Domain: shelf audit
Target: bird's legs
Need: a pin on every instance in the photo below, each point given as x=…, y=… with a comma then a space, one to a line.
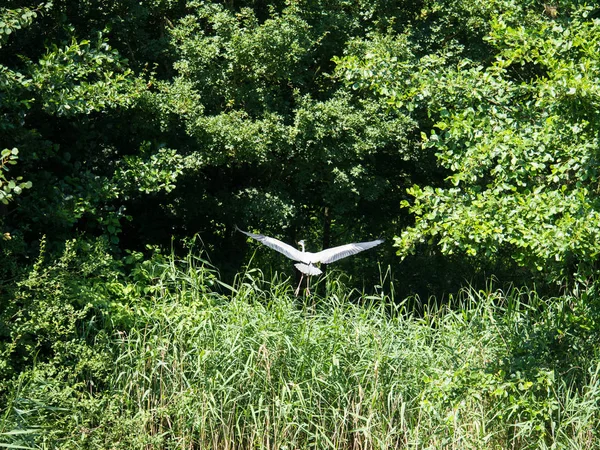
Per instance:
x=299, y=284
x=307, y=286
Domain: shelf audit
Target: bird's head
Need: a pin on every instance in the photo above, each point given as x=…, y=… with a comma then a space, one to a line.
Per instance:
x=301, y=243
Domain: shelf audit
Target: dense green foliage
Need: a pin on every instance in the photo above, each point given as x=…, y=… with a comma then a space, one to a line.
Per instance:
x=518, y=135
x=466, y=133
x=138, y=122
x=222, y=114
x=169, y=357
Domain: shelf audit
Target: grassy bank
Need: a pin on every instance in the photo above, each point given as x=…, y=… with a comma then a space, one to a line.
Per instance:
x=168, y=357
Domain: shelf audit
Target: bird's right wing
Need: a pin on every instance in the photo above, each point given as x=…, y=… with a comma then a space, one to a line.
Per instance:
x=276, y=244
x=333, y=254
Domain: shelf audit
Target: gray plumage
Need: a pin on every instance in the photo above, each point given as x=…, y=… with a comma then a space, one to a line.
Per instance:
x=307, y=260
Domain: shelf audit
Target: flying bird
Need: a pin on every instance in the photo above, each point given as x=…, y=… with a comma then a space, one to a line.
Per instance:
x=307, y=260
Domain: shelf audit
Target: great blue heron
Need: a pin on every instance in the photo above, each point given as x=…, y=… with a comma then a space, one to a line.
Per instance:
x=307, y=260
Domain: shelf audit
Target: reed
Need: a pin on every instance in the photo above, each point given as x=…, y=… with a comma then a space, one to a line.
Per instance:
x=207, y=365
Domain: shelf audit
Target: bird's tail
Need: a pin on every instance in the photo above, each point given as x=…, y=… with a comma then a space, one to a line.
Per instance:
x=308, y=269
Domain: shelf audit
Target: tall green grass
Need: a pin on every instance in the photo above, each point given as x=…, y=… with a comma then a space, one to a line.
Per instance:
x=193, y=364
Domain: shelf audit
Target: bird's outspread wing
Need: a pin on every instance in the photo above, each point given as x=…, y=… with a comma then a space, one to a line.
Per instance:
x=333, y=254
x=281, y=247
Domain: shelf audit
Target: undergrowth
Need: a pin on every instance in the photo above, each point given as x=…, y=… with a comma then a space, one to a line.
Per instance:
x=159, y=353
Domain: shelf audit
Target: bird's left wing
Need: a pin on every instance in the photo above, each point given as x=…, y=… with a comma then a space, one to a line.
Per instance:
x=333, y=254
x=276, y=244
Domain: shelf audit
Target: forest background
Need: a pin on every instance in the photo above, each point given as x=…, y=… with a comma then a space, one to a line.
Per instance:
x=135, y=136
